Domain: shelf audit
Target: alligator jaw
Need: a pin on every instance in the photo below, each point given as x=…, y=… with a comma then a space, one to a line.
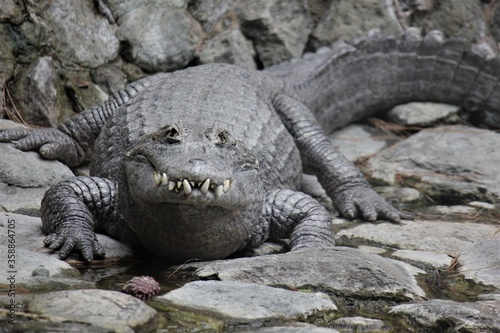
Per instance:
x=188, y=186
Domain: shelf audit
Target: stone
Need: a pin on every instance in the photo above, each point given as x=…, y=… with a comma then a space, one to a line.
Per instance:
x=310, y=185
x=24, y=178
x=29, y=169
x=340, y=270
x=304, y=328
x=84, y=93
x=279, y=29
x=6, y=124
x=7, y=63
x=27, y=261
x=482, y=205
x=433, y=236
x=357, y=142
x=443, y=315
x=372, y=249
x=399, y=194
x=452, y=210
x=169, y=40
x=359, y=324
x=73, y=30
x=11, y=12
x=481, y=261
x=425, y=259
x=110, y=78
x=28, y=322
x=432, y=162
x=422, y=113
x=21, y=200
x=103, y=308
x=495, y=24
x=347, y=19
x=39, y=96
x=229, y=47
x=211, y=13
x=30, y=236
x=453, y=18
x=247, y=302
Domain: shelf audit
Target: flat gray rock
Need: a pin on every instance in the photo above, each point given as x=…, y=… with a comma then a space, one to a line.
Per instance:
x=433, y=162
x=291, y=329
x=347, y=19
x=279, y=29
x=31, y=253
x=30, y=236
x=360, y=141
x=435, y=236
x=481, y=262
x=340, y=270
x=247, y=302
x=25, y=176
x=7, y=59
x=103, y=308
x=168, y=42
x=440, y=315
x=229, y=47
x=359, y=324
x=423, y=258
x=74, y=31
x=422, y=113
x=25, y=235
x=29, y=169
x=39, y=94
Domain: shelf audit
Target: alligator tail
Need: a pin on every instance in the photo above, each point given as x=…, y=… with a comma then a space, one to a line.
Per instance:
x=349, y=81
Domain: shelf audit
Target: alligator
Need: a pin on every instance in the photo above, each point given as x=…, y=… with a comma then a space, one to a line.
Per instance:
x=207, y=161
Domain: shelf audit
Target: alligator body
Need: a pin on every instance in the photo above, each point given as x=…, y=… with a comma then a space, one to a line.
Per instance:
x=204, y=162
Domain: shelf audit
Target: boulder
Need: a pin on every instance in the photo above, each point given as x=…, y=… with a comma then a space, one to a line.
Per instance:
x=279, y=29
x=436, y=316
x=73, y=31
x=229, y=47
x=39, y=96
x=481, y=261
x=242, y=303
x=347, y=19
x=112, y=310
x=433, y=162
x=338, y=270
x=167, y=42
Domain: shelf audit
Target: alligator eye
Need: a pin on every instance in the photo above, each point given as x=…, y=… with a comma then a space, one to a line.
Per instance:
x=222, y=137
x=169, y=133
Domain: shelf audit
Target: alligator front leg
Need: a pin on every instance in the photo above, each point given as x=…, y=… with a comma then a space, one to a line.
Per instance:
x=70, y=211
x=345, y=184
x=297, y=216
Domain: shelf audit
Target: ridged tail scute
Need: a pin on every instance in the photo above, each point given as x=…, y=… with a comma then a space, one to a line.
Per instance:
x=373, y=73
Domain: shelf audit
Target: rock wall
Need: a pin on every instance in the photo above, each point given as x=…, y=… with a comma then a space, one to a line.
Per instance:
x=59, y=57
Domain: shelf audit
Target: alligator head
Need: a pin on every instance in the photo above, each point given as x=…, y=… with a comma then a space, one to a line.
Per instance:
x=197, y=165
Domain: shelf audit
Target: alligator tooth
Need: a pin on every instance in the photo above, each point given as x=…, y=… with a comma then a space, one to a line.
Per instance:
x=218, y=191
x=187, y=187
x=171, y=185
x=204, y=187
x=179, y=184
x=164, y=179
x=227, y=185
x=157, y=178
x=192, y=183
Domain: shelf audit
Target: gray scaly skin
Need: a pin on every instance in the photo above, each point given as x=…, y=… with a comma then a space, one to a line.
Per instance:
x=206, y=161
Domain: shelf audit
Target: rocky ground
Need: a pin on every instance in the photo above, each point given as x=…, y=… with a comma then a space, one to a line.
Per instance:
x=440, y=272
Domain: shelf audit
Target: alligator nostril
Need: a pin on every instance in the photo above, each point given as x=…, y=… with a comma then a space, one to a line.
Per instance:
x=197, y=161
